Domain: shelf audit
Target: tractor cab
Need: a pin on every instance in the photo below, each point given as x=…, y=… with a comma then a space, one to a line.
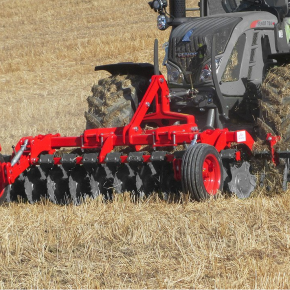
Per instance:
x=217, y=62
x=213, y=7
x=178, y=8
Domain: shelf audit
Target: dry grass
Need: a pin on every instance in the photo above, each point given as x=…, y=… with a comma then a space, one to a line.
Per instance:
x=48, y=52
x=218, y=244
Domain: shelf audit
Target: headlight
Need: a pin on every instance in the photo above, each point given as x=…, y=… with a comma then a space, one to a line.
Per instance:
x=174, y=74
x=206, y=74
x=162, y=22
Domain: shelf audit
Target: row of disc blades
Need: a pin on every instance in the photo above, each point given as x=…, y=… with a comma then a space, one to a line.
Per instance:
x=63, y=186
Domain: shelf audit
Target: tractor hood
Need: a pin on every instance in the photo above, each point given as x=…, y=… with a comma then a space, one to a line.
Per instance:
x=190, y=43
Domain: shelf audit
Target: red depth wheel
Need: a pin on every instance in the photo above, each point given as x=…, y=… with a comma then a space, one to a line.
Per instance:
x=201, y=172
x=211, y=174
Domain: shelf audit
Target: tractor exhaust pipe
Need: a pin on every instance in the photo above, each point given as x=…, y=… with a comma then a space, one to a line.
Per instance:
x=177, y=8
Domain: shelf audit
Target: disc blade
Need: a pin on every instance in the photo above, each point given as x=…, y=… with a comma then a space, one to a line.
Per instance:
x=79, y=185
x=243, y=182
x=35, y=184
x=95, y=186
x=57, y=186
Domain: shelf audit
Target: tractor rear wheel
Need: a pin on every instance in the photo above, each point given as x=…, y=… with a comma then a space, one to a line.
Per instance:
x=274, y=105
x=201, y=172
x=114, y=100
x=275, y=119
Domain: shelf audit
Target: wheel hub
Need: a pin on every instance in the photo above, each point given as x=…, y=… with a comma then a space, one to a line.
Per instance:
x=211, y=174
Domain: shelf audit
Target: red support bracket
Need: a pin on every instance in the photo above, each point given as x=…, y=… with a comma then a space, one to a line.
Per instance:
x=158, y=91
x=273, y=140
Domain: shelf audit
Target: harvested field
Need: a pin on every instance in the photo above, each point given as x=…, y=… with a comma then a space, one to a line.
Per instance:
x=227, y=243
x=47, y=58
x=48, y=53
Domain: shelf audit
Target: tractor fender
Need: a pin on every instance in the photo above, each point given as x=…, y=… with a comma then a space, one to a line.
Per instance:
x=123, y=68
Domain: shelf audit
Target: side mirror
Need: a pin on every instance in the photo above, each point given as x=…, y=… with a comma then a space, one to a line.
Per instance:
x=229, y=5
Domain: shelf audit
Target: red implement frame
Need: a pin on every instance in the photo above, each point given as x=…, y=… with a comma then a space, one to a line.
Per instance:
x=105, y=140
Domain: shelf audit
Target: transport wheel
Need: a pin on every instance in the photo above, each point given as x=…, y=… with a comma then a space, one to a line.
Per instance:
x=201, y=172
x=274, y=106
x=114, y=100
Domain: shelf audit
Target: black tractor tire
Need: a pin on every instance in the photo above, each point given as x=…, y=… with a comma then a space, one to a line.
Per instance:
x=275, y=104
x=114, y=100
x=201, y=172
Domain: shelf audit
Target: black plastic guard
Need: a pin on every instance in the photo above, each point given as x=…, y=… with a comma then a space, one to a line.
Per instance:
x=123, y=68
x=280, y=57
